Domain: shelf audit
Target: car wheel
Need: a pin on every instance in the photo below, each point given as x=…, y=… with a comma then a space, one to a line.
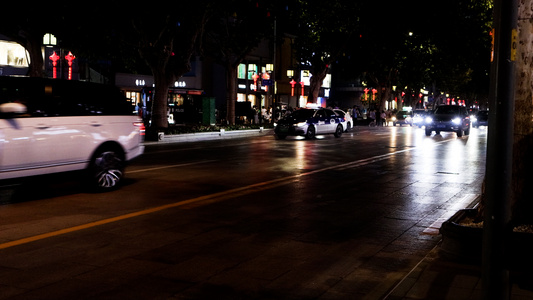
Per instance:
x=467, y=131
x=338, y=131
x=428, y=132
x=459, y=133
x=310, y=132
x=106, y=169
x=348, y=126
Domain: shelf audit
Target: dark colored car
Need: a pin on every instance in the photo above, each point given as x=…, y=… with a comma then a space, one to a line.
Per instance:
x=403, y=117
x=309, y=123
x=481, y=119
x=449, y=118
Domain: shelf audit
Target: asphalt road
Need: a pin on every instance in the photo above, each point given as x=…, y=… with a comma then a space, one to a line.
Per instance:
x=251, y=218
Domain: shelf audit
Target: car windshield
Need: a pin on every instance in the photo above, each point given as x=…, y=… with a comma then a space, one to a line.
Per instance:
x=447, y=110
x=403, y=114
x=301, y=114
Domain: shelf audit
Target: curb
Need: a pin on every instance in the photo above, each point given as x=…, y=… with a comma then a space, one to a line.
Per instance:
x=212, y=135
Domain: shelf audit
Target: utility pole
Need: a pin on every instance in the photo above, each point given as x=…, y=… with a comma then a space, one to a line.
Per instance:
x=497, y=214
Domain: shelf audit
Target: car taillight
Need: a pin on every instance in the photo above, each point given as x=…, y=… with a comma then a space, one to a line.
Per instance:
x=142, y=128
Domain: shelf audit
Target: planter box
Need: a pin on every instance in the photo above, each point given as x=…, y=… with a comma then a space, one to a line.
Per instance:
x=464, y=243
x=461, y=242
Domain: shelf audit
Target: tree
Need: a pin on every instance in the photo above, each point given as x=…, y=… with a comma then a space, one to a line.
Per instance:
x=166, y=40
x=324, y=30
x=232, y=34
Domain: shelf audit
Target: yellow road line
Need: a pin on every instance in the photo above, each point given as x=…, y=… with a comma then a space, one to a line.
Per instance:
x=202, y=200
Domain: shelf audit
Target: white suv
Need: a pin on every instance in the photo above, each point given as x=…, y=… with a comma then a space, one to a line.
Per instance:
x=50, y=126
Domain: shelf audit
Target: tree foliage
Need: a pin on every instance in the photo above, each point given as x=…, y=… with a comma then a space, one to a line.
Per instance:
x=324, y=30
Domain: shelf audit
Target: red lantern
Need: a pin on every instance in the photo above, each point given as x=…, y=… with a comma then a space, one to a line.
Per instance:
x=292, y=84
x=54, y=57
x=255, y=77
x=69, y=57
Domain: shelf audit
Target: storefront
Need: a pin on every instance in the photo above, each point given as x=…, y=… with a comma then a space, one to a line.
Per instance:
x=184, y=103
x=254, y=88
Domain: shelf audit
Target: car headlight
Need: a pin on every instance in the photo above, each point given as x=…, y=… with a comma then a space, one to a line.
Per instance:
x=456, y=121
x=393, y=119
x=408, y=119
x=429, y=120
x=473, y=119
x=301, y=124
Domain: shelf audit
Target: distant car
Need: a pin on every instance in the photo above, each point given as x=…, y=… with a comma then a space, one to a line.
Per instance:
x=481, y=119
x=348, y=122
x=51, y=126
x=308, y=123
x=448, y=118
x=403, y=117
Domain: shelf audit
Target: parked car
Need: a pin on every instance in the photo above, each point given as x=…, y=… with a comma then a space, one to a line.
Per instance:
x=448, y=118
x=348, y=122
x=403, y=117
x=481, y=119
x=51, y=126
x=309, y=123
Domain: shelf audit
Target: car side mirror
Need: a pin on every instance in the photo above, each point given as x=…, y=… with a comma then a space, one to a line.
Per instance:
x=13, y=108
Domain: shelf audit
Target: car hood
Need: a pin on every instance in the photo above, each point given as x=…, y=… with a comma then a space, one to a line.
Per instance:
x=290, y=120
x=444, y=117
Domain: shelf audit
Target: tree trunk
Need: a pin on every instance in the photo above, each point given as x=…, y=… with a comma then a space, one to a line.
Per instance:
x=315, y=84
x=33, y=45
x=160, y=101
x=522, y=179
x=231, y=96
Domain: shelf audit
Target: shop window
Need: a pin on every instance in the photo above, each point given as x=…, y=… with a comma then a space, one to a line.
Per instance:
x=241, y=71
x=175, y=100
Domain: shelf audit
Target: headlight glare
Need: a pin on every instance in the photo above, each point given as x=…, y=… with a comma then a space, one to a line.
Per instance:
x=456, y=121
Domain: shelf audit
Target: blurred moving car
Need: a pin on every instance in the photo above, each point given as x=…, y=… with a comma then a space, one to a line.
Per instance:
x=403, y=117
x=481, y=118
x=348, y=122
x=309, y=123
x=448, y=118
x=52, y=125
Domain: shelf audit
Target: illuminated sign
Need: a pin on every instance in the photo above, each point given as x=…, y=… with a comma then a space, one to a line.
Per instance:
x=180, y=84
x=13, y=54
